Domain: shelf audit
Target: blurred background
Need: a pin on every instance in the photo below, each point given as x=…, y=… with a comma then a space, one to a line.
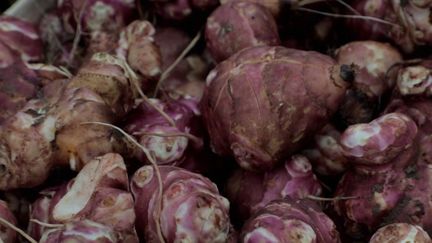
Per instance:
x=4, y=4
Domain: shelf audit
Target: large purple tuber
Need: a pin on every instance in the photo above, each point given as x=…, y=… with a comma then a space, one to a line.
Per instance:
x=238, y=25
x=262, y=104
x=290, y=220
x=191, y=209
x=249, y=192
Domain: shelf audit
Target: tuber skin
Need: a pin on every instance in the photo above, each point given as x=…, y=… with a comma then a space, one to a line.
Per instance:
x=371, y=61
x=379, y=141
x=21, y=37
x=98, y=193
x=85, y=231
x=400, y=233
x=325, y=153
x=7, y=235
x=192, y=209
x=174, y=148
x=289, y=220
x=262, y=104
x=249, y=192
x=171, y=42
x=238, y=25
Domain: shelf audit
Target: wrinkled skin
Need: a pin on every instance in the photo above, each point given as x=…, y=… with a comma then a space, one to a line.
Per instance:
x=78, y=143
x=371, y=61
x=84, y=231
x=249, y=192
x=25, y=147
x=238, y=25
x=173, y=148
x=98, y=193
x=97, y=15
x=7, y=235
x=400, y=233
x=263, y=103
x=288, y=221
x=325, y=153
x=109, y=77
x=136, y=45
x=189, y=201
x=22, y=37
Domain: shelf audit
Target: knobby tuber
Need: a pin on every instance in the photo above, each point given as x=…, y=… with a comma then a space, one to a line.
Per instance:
x=262, y=104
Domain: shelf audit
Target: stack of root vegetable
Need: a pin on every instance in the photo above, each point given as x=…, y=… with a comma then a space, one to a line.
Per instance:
x=217, y=121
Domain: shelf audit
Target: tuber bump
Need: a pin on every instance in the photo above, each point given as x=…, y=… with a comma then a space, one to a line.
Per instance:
x=249, y=192
x=238, y=25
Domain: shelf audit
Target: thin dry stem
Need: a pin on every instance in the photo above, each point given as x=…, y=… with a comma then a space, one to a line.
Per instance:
x=348, y=7
x=135, y=82
x=367, y=18
x=167, y=72
x=153, y=163
x=78, y=33
x=324, y=199
x=48, y=225
x=18, y=230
